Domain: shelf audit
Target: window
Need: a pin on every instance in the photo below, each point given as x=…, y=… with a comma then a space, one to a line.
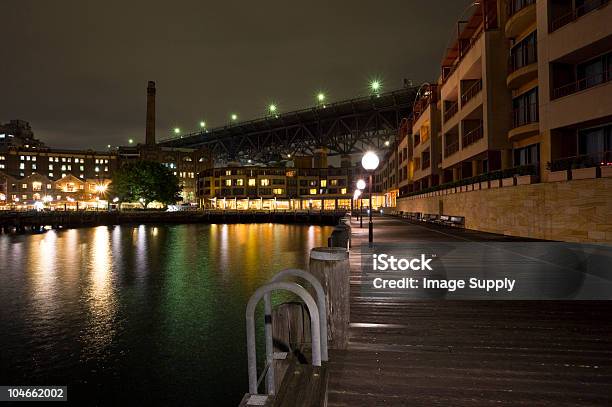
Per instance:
x=49, y=186
x=313, y=191
x=595, y=140
x=51, y=166
x=228, y=182
x=343, y=191
x=265, y=182
x=323, y=183
x=50, y=175
x=525, y=108
x=524, y=52
x=228, y=172
x=527, y=155
x=22, y=166
x=277, y=191
x=240, y=182
x=97, y=169
x=333, y=182
x=252, y=182
x=24, y=186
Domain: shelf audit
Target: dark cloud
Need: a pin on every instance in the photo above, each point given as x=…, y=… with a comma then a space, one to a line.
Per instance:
x=77, y=70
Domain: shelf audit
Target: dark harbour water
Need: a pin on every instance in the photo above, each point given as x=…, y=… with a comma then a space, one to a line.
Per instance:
x=143, y=315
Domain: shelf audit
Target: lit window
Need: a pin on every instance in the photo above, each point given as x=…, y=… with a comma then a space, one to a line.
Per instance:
x=252, y=182
x=343, y=191
x=82, y=168
x=27, y=158
x=323, y=183
x=24, y=197
x=63, y=168
x=49, y=186
x=33, y=166
x=277, y=191
x=265, y=182
x=63, y=159
x=228, y=172
x=50, y=175
x=82, y=176
x=69, y=159
x=50, y=166
x=240, y=182
x=36, y=186
x=21, y=157
x=1, y=166
x=34, y=158
x=2, y=158
x=24, y=186
x=313, y=191
x=333, y=182
x=228, y=182
x=106, y=169
x=98, y=170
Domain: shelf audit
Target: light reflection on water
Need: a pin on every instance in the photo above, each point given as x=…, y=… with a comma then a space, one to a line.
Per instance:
x=154, y=310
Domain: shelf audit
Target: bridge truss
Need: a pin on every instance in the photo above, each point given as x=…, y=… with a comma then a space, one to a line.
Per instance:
x=346, y=127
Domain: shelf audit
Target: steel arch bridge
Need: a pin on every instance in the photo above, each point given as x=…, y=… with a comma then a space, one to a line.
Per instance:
x=345, y=127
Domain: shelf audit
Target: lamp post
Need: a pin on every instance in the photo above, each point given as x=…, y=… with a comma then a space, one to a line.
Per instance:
x=360, y=187
x=356, y=196
x=370, y=162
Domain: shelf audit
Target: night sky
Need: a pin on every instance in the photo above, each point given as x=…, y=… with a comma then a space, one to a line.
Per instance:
x=78, y=70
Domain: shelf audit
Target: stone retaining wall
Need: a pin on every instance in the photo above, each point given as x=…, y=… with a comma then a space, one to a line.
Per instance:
x=576, y=211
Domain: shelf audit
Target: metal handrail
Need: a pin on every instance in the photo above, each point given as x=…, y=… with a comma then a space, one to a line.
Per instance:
x=316, y=284
x=250, y=327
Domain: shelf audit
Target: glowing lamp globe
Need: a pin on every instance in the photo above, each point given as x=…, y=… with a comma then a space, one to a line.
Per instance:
x=370, y=161
x=361, y=184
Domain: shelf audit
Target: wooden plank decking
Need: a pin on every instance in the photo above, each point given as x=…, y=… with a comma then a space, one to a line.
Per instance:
x=469, y=353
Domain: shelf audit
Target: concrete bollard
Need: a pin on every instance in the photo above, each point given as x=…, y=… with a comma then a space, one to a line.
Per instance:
x=330, y=265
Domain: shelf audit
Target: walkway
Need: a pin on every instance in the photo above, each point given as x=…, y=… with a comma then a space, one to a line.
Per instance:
x=469, y=353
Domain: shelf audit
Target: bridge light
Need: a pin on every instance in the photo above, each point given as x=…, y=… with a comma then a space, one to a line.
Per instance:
x=202, y=124
x=249, y=160
x=108, y=146
x=272, y=108
x=177, y=130
x=288, y=155
x=321, y=97
x=234, y=117
x=131, y=141
x=375, y=85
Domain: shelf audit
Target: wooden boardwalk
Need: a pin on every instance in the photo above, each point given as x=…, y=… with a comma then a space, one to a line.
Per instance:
x=468, y=353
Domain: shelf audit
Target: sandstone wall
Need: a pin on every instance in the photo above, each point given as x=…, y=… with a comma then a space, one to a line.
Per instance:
x=576, y=211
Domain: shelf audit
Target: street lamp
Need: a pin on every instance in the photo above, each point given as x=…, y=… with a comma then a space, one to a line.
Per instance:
x=370, y=162
x=356, y=196
x=360, y=187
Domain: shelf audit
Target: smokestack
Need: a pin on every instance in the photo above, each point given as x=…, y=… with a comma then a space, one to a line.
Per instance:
x=150, y=130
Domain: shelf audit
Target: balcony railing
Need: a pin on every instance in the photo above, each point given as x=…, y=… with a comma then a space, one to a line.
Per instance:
x=585, y=8
x=523, y=56
x=451, y=149
x=600, y=159
x=451, y=111
x=472, y=91
x=514, y=6
x=582, y=84
x=472, y=136
x=525, y=115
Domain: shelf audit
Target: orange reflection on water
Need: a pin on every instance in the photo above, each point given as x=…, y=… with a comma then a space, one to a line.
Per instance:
x=100, y=295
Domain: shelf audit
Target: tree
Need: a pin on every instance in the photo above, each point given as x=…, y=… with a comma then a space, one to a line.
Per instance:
x=145, y=182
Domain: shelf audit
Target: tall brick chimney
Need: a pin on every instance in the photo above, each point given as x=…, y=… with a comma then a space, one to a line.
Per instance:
x=150, y=130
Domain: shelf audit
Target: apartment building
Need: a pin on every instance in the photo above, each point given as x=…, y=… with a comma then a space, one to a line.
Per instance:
x=524, y=85
x=242, y=188
x=474, y=99
x=574, y=64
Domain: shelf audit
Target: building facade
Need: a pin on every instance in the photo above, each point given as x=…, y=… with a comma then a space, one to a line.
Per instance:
x=525, y=87
x=281, y=188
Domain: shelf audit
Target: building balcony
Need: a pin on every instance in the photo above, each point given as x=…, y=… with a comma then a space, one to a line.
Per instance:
x=451, y=111
x=575, y=13
x=521, y=76
x=525, y=122
x=471, y=92
x=581, y=84
x=521, y=14
x=451, y=149
x=472, y=136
